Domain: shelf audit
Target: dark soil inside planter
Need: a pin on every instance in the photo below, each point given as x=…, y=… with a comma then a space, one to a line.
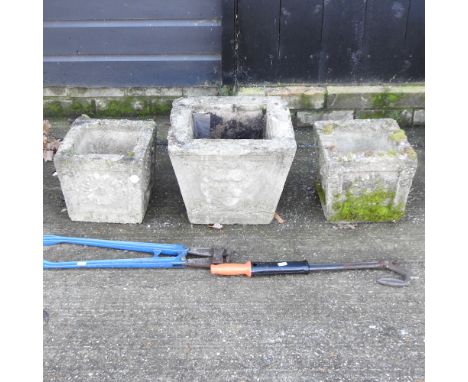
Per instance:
x=212, y=126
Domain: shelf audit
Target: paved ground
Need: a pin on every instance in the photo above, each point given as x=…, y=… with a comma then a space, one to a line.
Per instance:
x=185, y=325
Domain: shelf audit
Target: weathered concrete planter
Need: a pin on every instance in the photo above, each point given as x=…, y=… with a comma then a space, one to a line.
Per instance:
x=231, y=156
x=366, y=169
x=106, y=168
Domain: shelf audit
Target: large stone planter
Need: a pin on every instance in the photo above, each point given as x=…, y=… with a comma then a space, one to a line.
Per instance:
x=366, y=169
x=106, y=168
x=231, y=156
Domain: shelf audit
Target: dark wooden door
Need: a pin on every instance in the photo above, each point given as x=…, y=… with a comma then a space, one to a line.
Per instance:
x=323, y=41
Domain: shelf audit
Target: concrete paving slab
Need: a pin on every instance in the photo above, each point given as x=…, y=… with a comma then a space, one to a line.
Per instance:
x=186, y=325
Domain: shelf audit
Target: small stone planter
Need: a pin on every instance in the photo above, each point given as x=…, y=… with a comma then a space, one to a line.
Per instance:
x=231, y=156
x=366, y=169
x=106, y=168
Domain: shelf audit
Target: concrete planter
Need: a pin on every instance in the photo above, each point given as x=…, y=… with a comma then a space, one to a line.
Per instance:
x=366, y=169
x=106, y=168
x=231, y=156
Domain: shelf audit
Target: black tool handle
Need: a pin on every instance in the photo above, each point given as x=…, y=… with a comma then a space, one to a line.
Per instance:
x=279, y=268
x=250, y=269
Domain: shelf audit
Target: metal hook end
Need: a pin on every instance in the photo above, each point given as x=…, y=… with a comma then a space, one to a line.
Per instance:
x=393, y=282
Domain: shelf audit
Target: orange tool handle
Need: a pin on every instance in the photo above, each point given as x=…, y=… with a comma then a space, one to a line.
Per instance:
x=232, y=269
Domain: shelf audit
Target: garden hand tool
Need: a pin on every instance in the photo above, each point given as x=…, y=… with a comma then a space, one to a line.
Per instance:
x=217, y=260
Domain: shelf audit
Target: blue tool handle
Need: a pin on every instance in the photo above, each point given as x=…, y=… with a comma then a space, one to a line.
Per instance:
x=154, y=248
x=152, y=262
x=174, y=254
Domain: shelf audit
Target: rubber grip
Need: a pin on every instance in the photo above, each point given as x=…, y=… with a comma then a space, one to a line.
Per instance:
x=232, y=269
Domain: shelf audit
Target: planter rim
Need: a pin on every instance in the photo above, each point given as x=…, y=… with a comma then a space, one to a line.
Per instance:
x=280, y=132
x=144, y=129
x=398, y=151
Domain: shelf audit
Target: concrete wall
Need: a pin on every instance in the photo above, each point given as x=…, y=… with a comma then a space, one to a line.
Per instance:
x=404, y=103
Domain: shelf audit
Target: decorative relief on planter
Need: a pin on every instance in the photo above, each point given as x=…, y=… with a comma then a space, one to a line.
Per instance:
x=106, y=169
x=366, y=169
x=231, y=156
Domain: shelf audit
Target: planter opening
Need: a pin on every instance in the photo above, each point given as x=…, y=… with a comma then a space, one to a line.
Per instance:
x=229, y=126
x=112, y=142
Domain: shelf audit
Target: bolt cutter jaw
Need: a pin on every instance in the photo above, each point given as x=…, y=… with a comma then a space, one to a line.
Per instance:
x=205, y=257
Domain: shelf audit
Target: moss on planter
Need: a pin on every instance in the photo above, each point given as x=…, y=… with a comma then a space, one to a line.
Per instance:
x=392, y=153
x=411, y=152
x=398, y=136
x=374, y=206
x=329, y=128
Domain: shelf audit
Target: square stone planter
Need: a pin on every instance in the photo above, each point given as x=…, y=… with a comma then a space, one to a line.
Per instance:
x=231, y=156
x=366, y=169
x=106, y=169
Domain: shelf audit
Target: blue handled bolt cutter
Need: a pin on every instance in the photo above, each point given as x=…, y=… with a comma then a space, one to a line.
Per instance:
x=163, y=255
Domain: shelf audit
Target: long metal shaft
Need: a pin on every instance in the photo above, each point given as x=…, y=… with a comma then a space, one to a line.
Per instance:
x=252, y=269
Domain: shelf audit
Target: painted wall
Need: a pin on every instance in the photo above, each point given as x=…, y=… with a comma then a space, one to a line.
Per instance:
x=149, y=43
x=96, y=43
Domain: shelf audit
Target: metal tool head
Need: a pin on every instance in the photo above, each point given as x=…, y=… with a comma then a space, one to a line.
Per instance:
x=389, y=281
x=204, y=257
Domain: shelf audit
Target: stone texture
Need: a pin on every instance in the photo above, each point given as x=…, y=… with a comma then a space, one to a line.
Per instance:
x=295, y=96
x=375, y=97
x=419, y=117
x=84, y=92
x=407, y=96
x=404, y=117
x=124, y=92
x=366, y=169
x=162, y=92
x=55, y=91
x=200, y=91
x=106, y=169
x=132, y=106
x=62, y=101
x=153, y=92
x=102, y=104
x=251, y=91
x=299, y=97
x=307, y=118
x=352, y=97
x=231, y=156
x=95, y=92
x=68, y=107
